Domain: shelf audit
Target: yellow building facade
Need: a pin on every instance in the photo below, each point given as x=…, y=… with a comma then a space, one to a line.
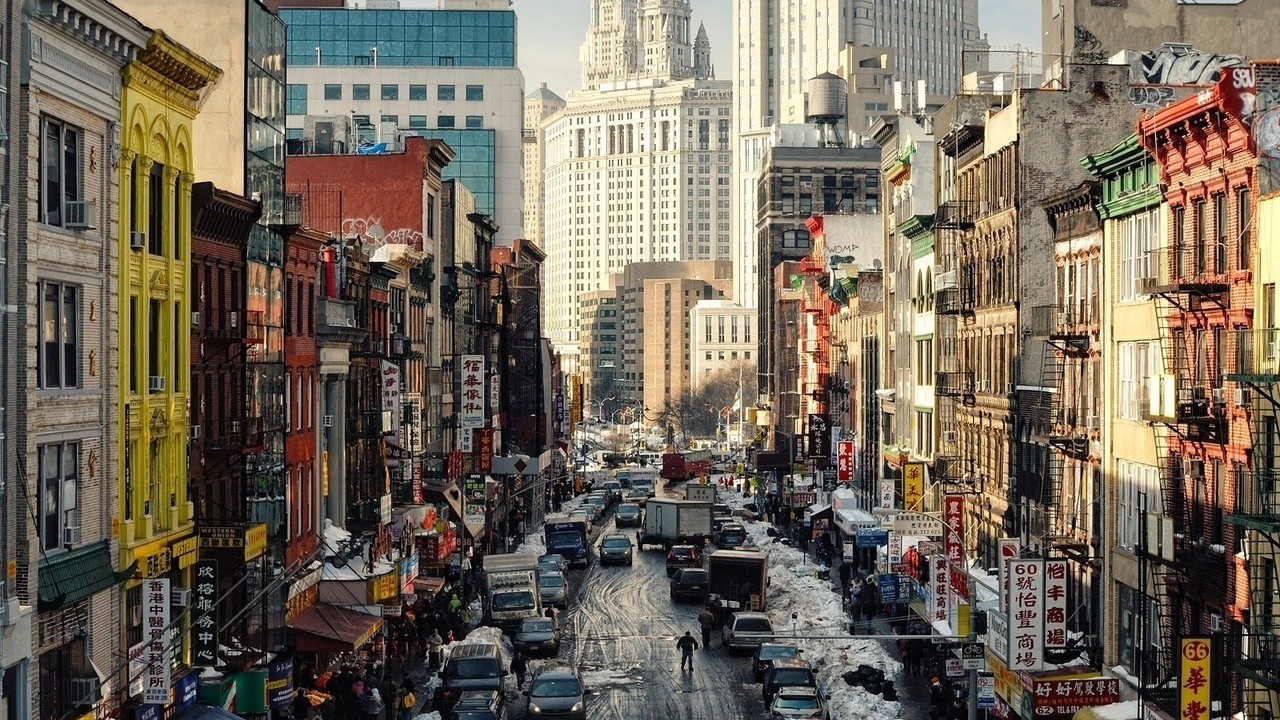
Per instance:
x=161, y=94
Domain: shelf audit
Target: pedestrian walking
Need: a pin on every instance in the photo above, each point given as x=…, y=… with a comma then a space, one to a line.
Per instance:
x=434, y=643
x=687, y=645
x=707, y=620
x=519, y=667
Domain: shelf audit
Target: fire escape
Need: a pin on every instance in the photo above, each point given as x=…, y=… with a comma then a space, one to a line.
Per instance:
x=955, y=301
x=816, y=344
x=1188, y=411
x=1258, y=379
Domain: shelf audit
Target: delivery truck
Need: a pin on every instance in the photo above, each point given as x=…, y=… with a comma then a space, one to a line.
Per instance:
x=567, y=538
x=510, y=590
x=739, y=578
x=668, y=521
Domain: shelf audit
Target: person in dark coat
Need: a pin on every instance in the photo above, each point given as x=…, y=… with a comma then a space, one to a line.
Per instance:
x=519, y=667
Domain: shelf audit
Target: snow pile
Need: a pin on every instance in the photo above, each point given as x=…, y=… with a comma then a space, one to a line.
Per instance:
x=795, y=588
x=429, y=716
x=533, y=543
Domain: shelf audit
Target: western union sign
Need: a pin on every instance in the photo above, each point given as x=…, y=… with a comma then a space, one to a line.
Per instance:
x=252, y=539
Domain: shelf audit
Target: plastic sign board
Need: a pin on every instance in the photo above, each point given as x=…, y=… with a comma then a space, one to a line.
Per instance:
x=998, y=635
x=155, y=618
x=912, y=485
x=1193, y=679
x=919, y=524
x=939, y=590
x=471, y=401
x=1055, y=603
x=953, y=542
x=844, y=461
x=1026, y=615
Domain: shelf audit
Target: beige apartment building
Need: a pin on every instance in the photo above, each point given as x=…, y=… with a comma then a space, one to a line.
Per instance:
x=538, y=106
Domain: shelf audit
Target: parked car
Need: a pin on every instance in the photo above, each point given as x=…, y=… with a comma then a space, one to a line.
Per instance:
x=787, y=673
x=764, y=656
x=479, y=705
x=689, y=584
x=732, y=535
x=629, y=514
x=585, y=512
x=746, y=630
x=795, y=701
x=553, y=588
x=682, y=556
x=616, y=549
x=554, y=562
x=537, y=636
x=557, y=692
x=476, y=666
x=598, y=503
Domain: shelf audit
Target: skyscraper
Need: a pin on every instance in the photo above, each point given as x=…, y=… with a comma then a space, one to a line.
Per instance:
x=636, y=166
x=538, y=106
x=780, y=44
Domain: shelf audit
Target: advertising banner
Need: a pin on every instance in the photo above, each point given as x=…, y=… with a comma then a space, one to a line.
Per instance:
x=939, y=592
x=471, y=400
x=1055, y=603
x=912, y=485
x=887, y=492
x=1068, y=696
x=844, y=461
x=155, y=618
x=1193, y=679
x=473, y=500
x=953, y=542
x=1026, y=615
x=204, y=614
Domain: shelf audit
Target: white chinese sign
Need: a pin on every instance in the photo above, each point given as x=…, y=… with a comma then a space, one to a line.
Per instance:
x=391, y=396
x=155, y=618
x=939, y=590
x=1055, y=603
x=895, y=547
x=1026, y=615
x=471, y=401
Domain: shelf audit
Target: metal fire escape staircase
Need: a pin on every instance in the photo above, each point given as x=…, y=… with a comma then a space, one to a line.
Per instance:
x=1057, y=432
x=1257, y=376
x=816, y=302
x=1186, y=411
x=955, y=300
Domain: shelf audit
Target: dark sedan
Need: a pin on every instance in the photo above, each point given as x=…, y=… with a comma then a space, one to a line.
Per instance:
x=689, y=584
x=764, y=656
x=682, y=556
x=537, y=636
x=629, y=514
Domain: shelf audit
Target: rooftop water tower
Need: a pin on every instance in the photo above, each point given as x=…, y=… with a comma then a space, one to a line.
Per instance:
x=828, y=107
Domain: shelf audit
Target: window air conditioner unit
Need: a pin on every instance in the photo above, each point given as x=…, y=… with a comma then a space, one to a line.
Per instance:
x=84, y=690
x=137, y=240
x=195, y=432
x=1272, y=348
x=1241, y=397
x=195, y=318
x=71, y=535
x=155, y=383
x=1219, y=396
x=1091, y=422
x=1195, y=468
x=948, y=436
x=1215, y=622
x=327, y=421
x=80, y=215
x=235, y=426
x=180, y=596
x=135, y=614
x=233, y=319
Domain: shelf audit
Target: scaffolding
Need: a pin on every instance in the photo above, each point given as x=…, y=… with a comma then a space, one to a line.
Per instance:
x=1257, y=375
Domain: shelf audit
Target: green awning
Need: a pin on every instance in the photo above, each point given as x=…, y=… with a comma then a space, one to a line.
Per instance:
x=76, y=575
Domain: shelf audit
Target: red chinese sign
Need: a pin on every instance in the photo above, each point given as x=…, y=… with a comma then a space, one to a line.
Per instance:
x=484, y=453
x=844, y=461
x=953, y=542
x=455, y=465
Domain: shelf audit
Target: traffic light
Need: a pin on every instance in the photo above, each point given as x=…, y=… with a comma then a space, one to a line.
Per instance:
x=791, y=484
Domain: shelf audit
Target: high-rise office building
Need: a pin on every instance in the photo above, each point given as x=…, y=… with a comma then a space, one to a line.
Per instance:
x=447, y=73
x=538, y=106
x=637, y=164
x=779, y=45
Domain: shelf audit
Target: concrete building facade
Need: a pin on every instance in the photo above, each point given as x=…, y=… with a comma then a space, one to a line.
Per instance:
x=538, y=106
x=722, y=340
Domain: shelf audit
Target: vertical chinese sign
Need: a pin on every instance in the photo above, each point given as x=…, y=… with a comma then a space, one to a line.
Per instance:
x=1055, y=603
x=1026, y=615
x=1193, y=679
x=471, y=401
x=484, y=453
x=391, y=397
x=940, y=611
x=474, y=503
x=204, y=615
x=819, y=436
x=844, y=461
x=155, y=618
x=953, y=542
x=912, y=485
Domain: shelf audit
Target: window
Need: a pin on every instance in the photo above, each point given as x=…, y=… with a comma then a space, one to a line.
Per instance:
x=59, y=357
x=1139, y=492
x=475, y=93
x=1220, y=240
x=1244, y=220
x=1139, y=234
x=296, y=99
x=1197, y=235
x=155, y=210
x=58, y=474
x=475, y=121
x=417, y=121
x=444, y=92
x=59, y=171
x=1138, y=362
x=359, y=92
x=390, y=92
x=1128, y=628
x=389, y=119
x=417, y=92
x=332, y=92
x=445, y=121
x=1179, y=240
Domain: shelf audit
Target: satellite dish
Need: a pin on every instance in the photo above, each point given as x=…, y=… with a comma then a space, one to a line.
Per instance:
x=877, y=265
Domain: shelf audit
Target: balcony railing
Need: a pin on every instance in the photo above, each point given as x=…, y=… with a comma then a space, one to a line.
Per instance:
x=1183, y=269
x=953, y=215
x=1067, y=321
x=954, y=301
x=952, y=383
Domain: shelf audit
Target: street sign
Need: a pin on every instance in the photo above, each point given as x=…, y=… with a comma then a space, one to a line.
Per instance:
x=954, y=668
x=972, y=656
x=986, y=691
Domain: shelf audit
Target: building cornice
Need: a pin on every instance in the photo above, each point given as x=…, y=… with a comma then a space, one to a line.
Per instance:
x=97, y=23
x=178, y=65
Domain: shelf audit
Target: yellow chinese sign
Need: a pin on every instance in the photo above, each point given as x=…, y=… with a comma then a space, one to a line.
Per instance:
x=912, y=485
x=252, y=539
x=1193, y=679
x=384, y=587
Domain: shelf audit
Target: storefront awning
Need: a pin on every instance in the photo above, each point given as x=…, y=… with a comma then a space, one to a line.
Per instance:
x=76, y=575
x=205, y=712
x=850, y=521
x=820, y=512
x=329, y=628
x=450, y=495
x=475, y=531
x=427, y=585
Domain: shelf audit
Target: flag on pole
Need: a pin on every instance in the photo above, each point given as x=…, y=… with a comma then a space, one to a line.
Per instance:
x=737, y=400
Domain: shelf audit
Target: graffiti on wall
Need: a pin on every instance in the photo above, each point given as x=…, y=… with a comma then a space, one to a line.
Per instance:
x=370, y=232
x=1179, y=64
x=1151, y=96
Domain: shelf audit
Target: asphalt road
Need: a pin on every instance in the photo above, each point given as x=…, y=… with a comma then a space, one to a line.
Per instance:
x=620, y=632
